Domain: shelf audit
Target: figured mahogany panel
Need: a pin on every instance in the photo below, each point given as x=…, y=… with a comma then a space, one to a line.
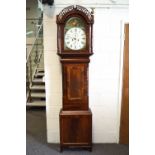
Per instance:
x=78, y=125
x=75, y=87
x=75, y=82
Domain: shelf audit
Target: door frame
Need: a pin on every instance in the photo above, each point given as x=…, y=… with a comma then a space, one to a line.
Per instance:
x=123, y=22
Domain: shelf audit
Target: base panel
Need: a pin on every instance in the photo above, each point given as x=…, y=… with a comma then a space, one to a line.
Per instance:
x=75, y=129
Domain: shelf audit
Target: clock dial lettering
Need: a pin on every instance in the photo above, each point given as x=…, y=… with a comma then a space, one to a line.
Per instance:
x=75, y=38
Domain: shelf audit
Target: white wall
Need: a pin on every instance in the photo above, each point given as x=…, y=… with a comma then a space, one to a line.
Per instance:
x=53, y=81
x=104, y=74
x=92, y=2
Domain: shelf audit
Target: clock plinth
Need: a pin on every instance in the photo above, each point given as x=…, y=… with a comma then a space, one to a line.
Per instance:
x=74, y=38
x=76, y=129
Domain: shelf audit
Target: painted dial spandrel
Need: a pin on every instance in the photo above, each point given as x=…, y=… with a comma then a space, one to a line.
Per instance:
x=75, y=38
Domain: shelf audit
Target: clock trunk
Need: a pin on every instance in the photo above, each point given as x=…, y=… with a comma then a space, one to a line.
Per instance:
x=75, y=86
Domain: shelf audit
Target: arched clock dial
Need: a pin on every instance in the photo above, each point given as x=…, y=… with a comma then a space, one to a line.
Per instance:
x=75, y=38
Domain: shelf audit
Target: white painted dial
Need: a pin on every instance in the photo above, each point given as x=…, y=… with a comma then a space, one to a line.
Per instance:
x=75, y=38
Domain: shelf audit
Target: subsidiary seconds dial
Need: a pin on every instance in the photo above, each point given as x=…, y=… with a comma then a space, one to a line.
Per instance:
x=75, y=38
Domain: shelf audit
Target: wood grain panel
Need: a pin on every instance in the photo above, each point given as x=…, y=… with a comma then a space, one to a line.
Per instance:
x=78, y=126
x=75, y=82
x=75, y=86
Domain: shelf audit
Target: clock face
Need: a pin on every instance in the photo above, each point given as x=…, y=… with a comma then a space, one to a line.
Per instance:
x=75, y=34
x=75, y=38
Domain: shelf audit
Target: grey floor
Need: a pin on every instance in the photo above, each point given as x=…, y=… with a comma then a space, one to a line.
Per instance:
x=36, y=143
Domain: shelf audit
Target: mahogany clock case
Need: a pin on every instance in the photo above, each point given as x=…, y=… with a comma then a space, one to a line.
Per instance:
x=75, y=115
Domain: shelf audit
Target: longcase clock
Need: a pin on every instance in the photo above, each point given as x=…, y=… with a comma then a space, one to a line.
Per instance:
x=74, y=43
